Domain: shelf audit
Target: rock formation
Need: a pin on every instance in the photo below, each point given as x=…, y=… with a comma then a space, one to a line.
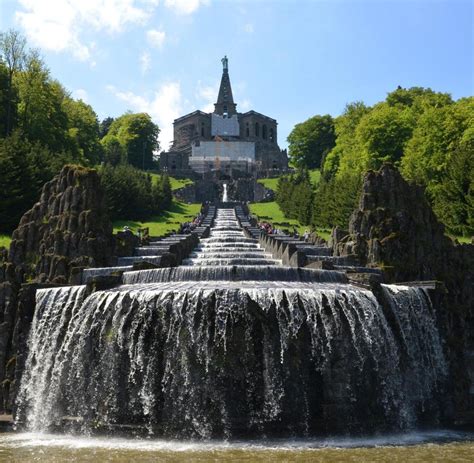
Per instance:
x=395, y=228
x=68, y=228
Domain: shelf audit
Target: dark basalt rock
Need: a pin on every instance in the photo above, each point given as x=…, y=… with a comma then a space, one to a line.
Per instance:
x=125, y=243
x=68, y=227
x=395, y=228
x=66, y=230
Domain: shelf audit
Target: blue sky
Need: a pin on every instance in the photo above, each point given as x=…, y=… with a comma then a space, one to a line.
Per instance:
x=289, y=59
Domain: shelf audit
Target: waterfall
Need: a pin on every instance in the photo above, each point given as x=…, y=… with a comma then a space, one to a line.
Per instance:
x=233, y=350
x=225, y=197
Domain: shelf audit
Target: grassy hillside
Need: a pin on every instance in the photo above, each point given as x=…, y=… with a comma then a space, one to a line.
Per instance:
x=164, y=223
x=272, y=183
x=176, y=183
x=271, y=212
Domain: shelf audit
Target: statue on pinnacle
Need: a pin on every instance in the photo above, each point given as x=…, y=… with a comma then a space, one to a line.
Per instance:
x=225, y=63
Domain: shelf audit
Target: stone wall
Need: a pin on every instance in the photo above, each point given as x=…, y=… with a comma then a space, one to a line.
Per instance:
x=194, y=126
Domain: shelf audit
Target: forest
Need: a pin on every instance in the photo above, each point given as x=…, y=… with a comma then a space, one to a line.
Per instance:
x=42, y=128
x=427, y=135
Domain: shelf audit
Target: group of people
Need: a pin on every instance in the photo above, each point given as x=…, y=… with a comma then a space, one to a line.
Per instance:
x=270, y=230
x=188, y=227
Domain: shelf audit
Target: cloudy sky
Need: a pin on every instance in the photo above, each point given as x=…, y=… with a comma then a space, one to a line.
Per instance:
x=289, y=59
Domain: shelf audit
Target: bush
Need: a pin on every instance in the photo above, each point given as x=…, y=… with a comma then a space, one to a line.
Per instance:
x=130, y=193
x=295, y=196
x=24, y=168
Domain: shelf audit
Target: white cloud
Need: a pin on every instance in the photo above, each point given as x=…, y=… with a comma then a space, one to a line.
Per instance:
x=59, y=25
x=155, y=37
x=164, y=107
x=80, y=94
x=145, y=61
x=206, y=96
x=245, y=105
x=185, y=6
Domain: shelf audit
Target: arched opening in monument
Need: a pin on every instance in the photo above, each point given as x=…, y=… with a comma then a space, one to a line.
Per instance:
x=264, y=132
x=272, y=135
x=257, y=129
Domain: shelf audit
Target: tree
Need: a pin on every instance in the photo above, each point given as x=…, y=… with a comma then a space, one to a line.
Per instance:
x=438, y=134
x=417, y=98
x=335, y=200
x=295, y=196
x=41, y=116
x=4, y=100
x=131, y=194
x=12, y=49
x=24, y=168
x=83, y=130
x=138, y=135
x=346, y=143
x=453, y=197
x=104, y=126
x=382, y=134
x=114, y=153
x=310, y=141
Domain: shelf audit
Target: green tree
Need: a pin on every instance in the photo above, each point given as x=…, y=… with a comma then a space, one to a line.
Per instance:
x=40, y=113
x=13, y=54
x=335, y=200
x=4, y=98
x=138, y=135
x=438, y=134
x=310, y=141
x=104, y=126
x=83, y=130
x=130, y=192
x=382, y=134
x=453, y=197
x=346, y=142
x=114, y=153
x=417, y=98
x=24, y=168
x=295, y=196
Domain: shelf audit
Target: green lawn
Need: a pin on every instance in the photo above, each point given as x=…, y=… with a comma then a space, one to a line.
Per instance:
x=271, y=212
x=176, y=183
x=5, y=240
x=272, y=183
x=164, y=223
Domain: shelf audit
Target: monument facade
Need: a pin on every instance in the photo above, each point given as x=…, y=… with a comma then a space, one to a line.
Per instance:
x=225, y=141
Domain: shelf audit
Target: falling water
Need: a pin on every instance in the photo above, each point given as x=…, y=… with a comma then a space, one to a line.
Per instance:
x=225, y=197
x=211, y=349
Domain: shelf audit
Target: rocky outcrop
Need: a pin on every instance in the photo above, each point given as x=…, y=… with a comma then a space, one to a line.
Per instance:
x=395, y=228
x=68, y=227
x=9, y=287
